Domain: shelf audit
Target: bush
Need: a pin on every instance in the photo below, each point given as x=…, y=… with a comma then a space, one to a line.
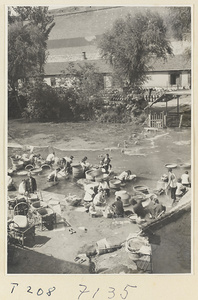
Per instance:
x=16, y=105
x=109, y=117
x=66, y=101
x=74, y=103
x=42, y=102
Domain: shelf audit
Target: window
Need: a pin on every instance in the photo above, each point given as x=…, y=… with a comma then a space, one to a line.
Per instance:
x=175, y=79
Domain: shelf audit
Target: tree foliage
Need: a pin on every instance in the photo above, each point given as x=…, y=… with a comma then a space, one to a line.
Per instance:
x=28, y=32
x=77, y=98
x=86, y=83
x=86, y=78
x=132, y=42
x=36, y=15
x=41, y=101
x=23, y=52
x=179, y=20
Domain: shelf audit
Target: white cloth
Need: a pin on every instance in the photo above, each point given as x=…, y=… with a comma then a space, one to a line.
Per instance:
x=89, y=193
x=68, y=159
x=22, y=188
x=99, y=199
x=24, y=156
x=123, y=176
x=103, y=185
x=52, y=175
x=9, y=181
x=50, y=157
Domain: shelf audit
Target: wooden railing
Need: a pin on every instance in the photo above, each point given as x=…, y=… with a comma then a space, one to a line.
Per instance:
x=156, y=120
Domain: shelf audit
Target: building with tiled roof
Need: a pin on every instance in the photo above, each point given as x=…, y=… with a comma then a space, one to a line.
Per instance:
x=75, y=36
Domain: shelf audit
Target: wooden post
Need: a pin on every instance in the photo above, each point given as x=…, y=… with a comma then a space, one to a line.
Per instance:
x=162, y=119
x=165, y=120
x=180, y=122
x=178, y=105
x=166, y=105
x=149, y=120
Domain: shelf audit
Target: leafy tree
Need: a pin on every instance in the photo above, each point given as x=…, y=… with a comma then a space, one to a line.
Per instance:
x=132, y=42
x=37, y=16
x=27, y=40
x=23, y=59
x=67, y=103
x=179, y=20
x=23, y=48
x=42, y=101
x=28, y=31
x=85, y=78
x=86, y=83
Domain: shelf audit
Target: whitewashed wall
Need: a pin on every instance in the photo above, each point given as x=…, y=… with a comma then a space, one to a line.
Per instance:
x=158, y=80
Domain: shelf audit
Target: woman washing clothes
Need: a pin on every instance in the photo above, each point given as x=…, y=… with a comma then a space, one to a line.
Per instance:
x=99, y=199
x=118, y=208
x=53, y=176
x=85, y=165
x=66, y=163
x=125, y=176
x=104, y=187
x=105, y=163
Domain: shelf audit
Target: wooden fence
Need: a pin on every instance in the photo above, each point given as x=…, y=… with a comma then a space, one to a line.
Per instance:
x=156, y=120
x=159, y=120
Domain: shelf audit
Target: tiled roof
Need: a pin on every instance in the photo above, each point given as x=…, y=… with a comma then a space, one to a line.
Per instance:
x=175, y=63
x=73, y=54
x=56, y=68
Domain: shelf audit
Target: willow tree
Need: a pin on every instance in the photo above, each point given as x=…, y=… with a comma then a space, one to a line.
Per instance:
x=131, y=44
x=28, y=32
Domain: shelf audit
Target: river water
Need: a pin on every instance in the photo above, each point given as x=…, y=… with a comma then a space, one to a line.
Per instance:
x=147, y=160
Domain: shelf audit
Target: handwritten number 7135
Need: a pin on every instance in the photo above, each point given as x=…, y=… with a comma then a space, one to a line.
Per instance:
x=111, y=291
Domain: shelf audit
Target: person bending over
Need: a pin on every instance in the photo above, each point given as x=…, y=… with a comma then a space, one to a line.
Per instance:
x=124, y=176
x=53, y=175
x=118, y=208
x=181, y=189
x=50, y=158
